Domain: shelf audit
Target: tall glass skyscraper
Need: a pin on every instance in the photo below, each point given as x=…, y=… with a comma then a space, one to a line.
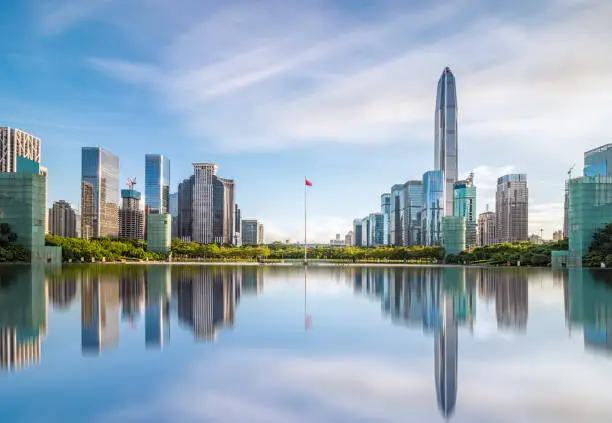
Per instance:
x=157, y=183
x=385, y=209
x=203, y=202
x=224, y=204
x=185, y=208
x=446, y=136
x=511, y=208
x=396, y=226
x=413, y=207
x=465, y=205
x=99, y=193
x=433, y=207
x=376, y=228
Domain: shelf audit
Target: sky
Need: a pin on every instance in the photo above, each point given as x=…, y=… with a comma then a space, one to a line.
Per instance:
x=340, y=91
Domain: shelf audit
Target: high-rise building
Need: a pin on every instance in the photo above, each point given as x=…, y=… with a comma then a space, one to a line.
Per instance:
x=365, y=232
x=566, y=211
x=62, y=219
x=465, y=205
x=173, y=209
x=453, y=234
x=446, y=146
x=252, y=232
x=131, y=217
x=237, y=220
x=203, y=202
x=385, y=209
x=157, y=183
x=413, y=207
x=357, y=241
x=348, y=239
x=396, y=220
x=511, y=208
x=487, y=234
x=377, y=229
x=159, y=237
x=224, y=208
x=99, y=193
x=598, y=161
x=433, y=207
x=15, y=145
x=185, y=209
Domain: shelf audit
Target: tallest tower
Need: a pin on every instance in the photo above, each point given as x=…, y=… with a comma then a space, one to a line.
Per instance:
x=446, y=135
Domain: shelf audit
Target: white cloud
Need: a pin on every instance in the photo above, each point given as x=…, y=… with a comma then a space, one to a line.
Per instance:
x=59, y=15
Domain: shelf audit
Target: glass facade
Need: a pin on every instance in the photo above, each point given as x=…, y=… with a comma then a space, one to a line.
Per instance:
x=357, y=241
x=453, y=234
x=365, y=232
x=157, y=183
x=385, y=209
x=159, y=227
x=185, y=209
x=433, y=207
x=396, y=225
x=377, y=229
x=250, y=232
x=445, y=134
x=413, y=207
x=596, y=161
x=465, y=205
x=590, y=209
x=99, y=193
x=511, y=208
x=224, y=205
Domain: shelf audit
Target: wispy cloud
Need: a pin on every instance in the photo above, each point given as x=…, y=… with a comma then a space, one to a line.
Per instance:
x=59, y=15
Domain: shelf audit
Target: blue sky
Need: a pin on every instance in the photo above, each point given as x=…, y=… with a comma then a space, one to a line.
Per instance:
x=341, y=91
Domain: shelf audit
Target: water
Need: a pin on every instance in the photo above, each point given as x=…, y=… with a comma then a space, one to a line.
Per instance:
x=253, y=344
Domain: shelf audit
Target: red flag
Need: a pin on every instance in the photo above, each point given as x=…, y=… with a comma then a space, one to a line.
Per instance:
x=308, y=183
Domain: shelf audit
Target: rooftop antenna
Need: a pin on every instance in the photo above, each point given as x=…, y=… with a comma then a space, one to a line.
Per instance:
x=131, y=182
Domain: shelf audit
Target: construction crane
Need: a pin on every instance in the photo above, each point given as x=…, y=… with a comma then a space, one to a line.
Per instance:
x=131, y=182
x=569, y=172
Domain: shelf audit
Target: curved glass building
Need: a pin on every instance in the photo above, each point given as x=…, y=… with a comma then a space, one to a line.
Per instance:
x=433, y=207
x=445, y=154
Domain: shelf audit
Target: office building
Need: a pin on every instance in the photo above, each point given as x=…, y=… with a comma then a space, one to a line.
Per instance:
x=413, y=208
x=487, y=234
x=44, y=172
x=348, y=239
x=465, y=205
x=590, y=209
x=131, y=217
x=598, y=161
x=385, y=209
x=365, y=232
x=446, y=145
x=15, y=145
x=62, y=220
x=396, y=220
x=157, y=183
x=357, y=241
x=566, y=210
x=453, y=234
x=377, y=229
x=252, y=232
x=185, y=210
x=511, y=208
x=237, y=221
x=159, y=232
x=202, y=208
x=173, y=209
x=433, y=207
x=99, y=193
x=224, y=208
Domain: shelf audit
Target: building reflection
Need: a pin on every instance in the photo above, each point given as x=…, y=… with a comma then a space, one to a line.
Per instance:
x=588, y=305
x=157, y=306
x=62, y=290
x=99, y=312
x=23, y=316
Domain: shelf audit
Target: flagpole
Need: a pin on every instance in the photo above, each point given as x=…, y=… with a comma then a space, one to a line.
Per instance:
x=305, y=253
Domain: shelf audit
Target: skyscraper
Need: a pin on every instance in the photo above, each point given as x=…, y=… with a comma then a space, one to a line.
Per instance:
x=487, y=233
x=511, y=208
x=445, y=134
x=385, y=209
x=396, y=226
x=131, y=218
x=465, y=205
x=376, y=235
x=16, y=145
x=413, y=207
x=252, y=232
x=185, y=209
x=433, y=207
x=365, y=232
x=62, y=219
x=157, y=183
x=203, y=202
x=237, y=220
x=173, y=209
x=357, y=242
x=224, y=208
x=99, y=193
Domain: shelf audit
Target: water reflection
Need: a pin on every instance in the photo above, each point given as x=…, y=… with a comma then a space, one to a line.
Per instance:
x=439, y=303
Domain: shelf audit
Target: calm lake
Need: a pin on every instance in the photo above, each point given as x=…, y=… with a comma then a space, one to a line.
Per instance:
x=249, y=344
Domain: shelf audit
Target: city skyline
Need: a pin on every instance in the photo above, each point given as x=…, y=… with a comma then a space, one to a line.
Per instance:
x=302, y=107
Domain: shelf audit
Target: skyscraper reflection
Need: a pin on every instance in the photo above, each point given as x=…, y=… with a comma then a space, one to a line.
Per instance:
x=23, y=316
x=157, y=306
x=99, y=312
x=132, y=294
x=62, y=290
x=511, y=300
